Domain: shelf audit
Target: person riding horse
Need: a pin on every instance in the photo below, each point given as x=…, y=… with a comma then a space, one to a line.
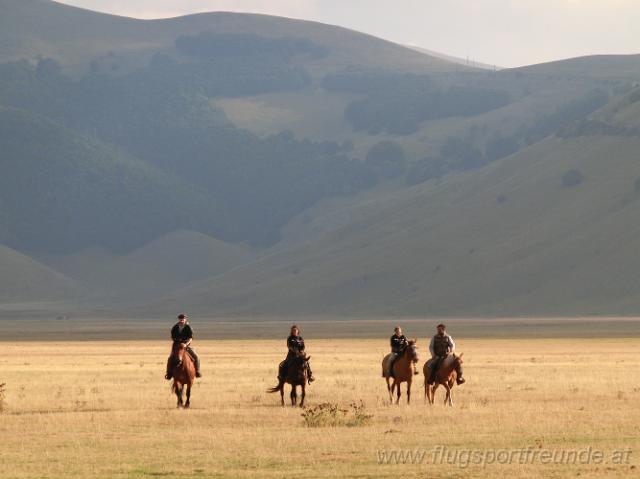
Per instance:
x=398, y=343
x=295, y=346
x=440, y=346
x=182, y=332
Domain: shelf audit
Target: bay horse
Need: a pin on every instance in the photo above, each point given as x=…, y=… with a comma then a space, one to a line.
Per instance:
x=297, y=375
x=183, y=372
x=446, y=376
x=403, y=370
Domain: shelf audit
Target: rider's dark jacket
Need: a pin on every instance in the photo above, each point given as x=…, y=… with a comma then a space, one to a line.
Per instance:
x=294, y=345
x=398, y=343
x=441, y=345
x=183, y=336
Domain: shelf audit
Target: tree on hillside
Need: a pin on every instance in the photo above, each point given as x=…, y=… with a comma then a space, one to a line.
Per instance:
x=462, y=155
x=387, y=158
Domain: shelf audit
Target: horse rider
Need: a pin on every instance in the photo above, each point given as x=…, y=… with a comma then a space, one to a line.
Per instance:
x=398, y=343
x=440, y=346
x=295, y=345
x=183, y=333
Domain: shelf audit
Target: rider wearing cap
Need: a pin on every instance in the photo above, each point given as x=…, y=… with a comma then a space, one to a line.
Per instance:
x=183, y=333
x=440, y=346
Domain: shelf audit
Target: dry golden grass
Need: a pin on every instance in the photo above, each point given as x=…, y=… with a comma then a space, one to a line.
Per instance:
x=103, y=409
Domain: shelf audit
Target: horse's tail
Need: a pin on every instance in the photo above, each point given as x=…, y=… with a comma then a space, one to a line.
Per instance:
x=276, y=388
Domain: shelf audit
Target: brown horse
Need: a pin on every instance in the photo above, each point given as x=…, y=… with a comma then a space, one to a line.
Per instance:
x=183, y=372
x=403, y=370
x=297, y=375
x=446, y=376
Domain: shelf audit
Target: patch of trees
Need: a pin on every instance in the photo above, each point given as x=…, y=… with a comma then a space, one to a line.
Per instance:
x=568, y=120
x=455, y=154
x=229, y=76
x=253, y=186
x=574, y=110
x=215, y=46
x=400, y=103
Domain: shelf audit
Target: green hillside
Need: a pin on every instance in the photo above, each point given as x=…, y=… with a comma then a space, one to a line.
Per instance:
x=250, y=164
x=550, y=230
x=60, y=190
x=76, y=37
x=22, y=279
x=166, y=263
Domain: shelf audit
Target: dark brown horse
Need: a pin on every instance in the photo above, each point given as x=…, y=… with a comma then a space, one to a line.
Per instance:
x=446, y=376
x=297, y=375
x=183, y=372
x=403, y=370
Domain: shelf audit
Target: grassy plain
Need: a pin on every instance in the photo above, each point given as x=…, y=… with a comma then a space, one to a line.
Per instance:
x=102, y=409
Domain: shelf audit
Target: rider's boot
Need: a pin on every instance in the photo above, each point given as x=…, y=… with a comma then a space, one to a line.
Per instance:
x=198, y=375
x=168, y=373
x=432, y=377
x=310, y=379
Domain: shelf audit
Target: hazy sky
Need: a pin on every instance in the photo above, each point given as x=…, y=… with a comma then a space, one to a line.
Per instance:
x=502, y=32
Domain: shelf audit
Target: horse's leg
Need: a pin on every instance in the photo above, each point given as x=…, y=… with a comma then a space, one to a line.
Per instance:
x=282, y=393
x=293, y=395
x=447, y=396
x=397, y=385
x=177, y=387
x=188, y=403
x=389, y=390
x=409, y=392
x=433, y=392
x=302, y=395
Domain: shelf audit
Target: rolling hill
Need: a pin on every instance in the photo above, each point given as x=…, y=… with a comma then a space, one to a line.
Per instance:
x=550, y=230
x=164, y=264
x=75, y=37
x=61, y=190
x=249, y=164
x=25, y=280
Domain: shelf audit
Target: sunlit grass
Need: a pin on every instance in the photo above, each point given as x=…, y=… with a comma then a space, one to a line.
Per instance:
x=103, y=409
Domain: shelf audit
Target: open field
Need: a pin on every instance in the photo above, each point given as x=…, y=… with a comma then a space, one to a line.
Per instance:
x=102, y=409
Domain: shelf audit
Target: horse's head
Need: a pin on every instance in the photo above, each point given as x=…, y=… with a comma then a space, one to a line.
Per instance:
x=412, y=350
x=457, y=363
x=177, y=352
x=301, y=356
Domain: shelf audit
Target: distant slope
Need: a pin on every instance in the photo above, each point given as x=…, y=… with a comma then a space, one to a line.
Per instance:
x=22, y=279
x=75, y=37
x=61, y=191
x=510, y=239
x=164, y=264
x=450, y=58
x=595, y=66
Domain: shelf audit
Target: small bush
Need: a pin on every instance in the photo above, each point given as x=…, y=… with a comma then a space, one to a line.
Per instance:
x=331, y=415
x=572, y=177
x=359, y=416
